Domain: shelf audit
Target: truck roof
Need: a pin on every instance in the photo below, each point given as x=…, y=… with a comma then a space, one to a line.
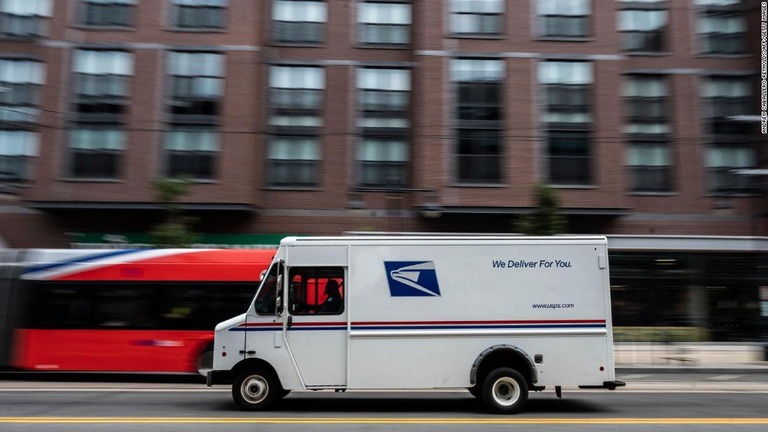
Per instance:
x=441, y=239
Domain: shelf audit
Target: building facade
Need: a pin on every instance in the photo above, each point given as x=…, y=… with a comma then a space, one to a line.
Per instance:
x=326, y=116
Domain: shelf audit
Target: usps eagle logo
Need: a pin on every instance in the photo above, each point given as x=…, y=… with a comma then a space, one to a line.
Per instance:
x=412, y=278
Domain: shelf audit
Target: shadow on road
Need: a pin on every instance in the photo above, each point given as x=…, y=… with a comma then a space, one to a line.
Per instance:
x=453, y=404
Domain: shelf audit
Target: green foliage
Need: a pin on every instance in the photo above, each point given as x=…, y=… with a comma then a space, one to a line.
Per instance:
x=546, y=219
x=175, y=230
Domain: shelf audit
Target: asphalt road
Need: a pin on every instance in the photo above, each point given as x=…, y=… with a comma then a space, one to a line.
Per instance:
x=666, y=402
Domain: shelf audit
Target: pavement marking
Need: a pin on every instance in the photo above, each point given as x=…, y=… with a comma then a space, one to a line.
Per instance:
x=384, y=420
x=724, y=377
x=635, y=376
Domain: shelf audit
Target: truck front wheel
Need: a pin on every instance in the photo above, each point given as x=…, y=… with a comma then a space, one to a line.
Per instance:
x=255, y=390
x=505, y=391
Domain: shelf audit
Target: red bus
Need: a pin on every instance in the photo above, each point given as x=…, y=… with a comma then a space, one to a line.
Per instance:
x=150, y=310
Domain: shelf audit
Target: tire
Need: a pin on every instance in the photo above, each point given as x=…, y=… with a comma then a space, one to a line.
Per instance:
x=204, y=361
x=255, y=390
x=505, y=391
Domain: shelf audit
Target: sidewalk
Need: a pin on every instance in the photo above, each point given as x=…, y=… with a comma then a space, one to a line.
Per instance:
x=717, y=358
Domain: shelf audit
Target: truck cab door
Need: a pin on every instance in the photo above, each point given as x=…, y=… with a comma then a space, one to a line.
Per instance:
x=263, y=322
x=316, y=327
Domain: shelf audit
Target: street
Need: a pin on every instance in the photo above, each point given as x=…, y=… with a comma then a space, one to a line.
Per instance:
x=666, y=402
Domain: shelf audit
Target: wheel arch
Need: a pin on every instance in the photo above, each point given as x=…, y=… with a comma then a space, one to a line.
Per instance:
x=254, y=364
x=503, y=356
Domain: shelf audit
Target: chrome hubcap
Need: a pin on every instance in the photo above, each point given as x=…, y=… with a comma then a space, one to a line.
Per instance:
x=506, y=391
x=254, y=389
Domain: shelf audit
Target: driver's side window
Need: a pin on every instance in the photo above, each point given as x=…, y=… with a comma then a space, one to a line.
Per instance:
x=267, y=298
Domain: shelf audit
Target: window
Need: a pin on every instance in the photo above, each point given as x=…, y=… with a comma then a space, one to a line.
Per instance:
x=316, y=291
x=647, y=104
x=383, y=96
x=725, y=98
x=643, y=30
x=150, y=305
x=722, y=159
x=191, y=152
x=477, y=17
x=382, y=155
x=479, y=155
x=101, y=84
x=647, y=125
x=567, y=87
x=722, y=26
x=569, y=158
x=298, y=21
x=24, y=18
x=17, y=147
x=383, y=162
x=96, y=151
x=296, y=94
x=108, y=13
x=563, y=18
x=649, y=165
x=733, y=145
x=479, y=86
x=265, y=302
x=197, y=85
x=199, y=14
x=293, y=161
x=384, y=23
x=20, y=81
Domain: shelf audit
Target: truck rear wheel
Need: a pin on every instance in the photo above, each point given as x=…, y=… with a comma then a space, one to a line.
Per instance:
x=255, y=390
x=505, y=391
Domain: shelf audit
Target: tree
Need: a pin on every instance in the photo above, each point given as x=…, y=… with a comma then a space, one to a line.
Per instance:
x=175, y=230
x=546, y=219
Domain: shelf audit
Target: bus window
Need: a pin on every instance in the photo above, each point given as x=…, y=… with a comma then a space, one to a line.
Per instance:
x=119, y=306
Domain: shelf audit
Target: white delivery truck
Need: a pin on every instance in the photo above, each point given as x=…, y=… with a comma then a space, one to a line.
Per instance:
x=497, y=315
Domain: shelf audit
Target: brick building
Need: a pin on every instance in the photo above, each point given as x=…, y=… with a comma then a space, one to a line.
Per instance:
x=319, y=117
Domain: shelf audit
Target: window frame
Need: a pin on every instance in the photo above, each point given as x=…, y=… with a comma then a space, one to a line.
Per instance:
x=455, y=14
x=318, y=273
x=318, y=27
x=309, y=164
x=177, y=10
x=285, y=83
x=714, y=11
x=43, y=11
x=584, y=176
x=24, y=109
x=128, y=12
x=543, y=18
x=393, y=27
x=200, y=157
x=661, y=33
x=660, y=172
x=21, y=156
x=112, y=157
x=483, y=80
x=190, y=107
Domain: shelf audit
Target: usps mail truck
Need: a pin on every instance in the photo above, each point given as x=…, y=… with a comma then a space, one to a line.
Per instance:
x=497, y=315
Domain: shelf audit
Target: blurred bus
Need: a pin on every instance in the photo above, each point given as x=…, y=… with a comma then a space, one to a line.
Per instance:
x=121, y=310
